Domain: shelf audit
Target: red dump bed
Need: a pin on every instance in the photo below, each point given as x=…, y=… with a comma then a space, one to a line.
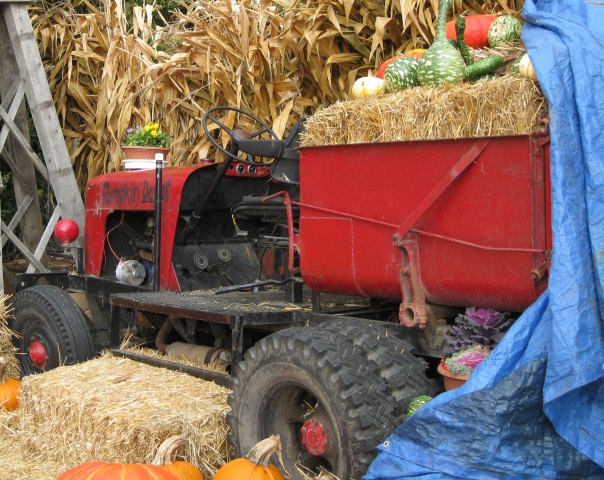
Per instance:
x=458, y=222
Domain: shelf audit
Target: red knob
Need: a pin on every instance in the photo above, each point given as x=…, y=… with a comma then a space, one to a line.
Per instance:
x=66, y=231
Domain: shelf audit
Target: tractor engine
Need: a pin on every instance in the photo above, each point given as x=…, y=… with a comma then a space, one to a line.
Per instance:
x=220, y=250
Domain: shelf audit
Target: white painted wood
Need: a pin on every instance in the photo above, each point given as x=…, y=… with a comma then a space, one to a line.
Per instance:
x=27, y=79
x=9, y=124
x=22, y=248
x=44, y=115
x=56, y=215
x=17, y=217
x=15, y=91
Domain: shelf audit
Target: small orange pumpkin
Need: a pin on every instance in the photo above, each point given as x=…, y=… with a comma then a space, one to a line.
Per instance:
x=116, y=471
x=180, y=468
x=254, y=466
x=9, y=388
x=416, y=52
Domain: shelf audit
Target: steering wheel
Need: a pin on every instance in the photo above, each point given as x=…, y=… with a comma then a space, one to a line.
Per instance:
x=209, y=116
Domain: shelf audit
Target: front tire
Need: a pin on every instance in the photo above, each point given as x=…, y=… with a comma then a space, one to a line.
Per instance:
x=52, y=330
x=319, y=393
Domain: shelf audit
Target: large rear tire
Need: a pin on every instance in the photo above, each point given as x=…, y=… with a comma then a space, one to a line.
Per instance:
x=404, y=373
x=52, y=330
x=319, y=393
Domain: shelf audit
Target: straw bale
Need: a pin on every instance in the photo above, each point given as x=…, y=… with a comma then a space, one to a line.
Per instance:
x=6, y=336
x=505, y=106
x=111, y=409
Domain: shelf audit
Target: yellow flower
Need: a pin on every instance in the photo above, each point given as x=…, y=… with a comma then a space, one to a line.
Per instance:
x=154, y=133
x=147, y=127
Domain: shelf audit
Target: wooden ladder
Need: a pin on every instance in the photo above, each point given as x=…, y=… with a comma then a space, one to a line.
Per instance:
x=21, y=63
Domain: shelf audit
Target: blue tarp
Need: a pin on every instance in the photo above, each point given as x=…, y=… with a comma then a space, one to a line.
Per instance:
x=535, y=408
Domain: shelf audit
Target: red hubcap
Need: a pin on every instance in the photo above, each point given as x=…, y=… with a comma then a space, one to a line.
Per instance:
x=37, y=354
x=314, y=437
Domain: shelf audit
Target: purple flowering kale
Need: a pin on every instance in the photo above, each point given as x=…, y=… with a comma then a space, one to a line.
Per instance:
x=477, y=326
x=484, y=316
x=465, y=361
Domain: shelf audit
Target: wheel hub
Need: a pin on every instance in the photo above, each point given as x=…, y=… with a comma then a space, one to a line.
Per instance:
x=314, y=437
x=38, y=354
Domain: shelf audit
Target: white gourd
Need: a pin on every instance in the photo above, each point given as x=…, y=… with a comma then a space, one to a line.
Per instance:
x=367, y=87
x=525, y=68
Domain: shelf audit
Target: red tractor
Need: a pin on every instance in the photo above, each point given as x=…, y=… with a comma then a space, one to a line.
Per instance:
x=324, y=281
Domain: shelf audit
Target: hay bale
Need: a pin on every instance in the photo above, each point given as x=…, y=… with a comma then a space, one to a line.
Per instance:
x=508, y=105
x=111, y=409
x=6, y=336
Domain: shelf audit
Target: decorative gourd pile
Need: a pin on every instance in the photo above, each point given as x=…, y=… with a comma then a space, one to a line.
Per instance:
x=448, y=60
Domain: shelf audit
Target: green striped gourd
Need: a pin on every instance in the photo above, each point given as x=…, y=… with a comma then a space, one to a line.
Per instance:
x=442, y=62
x=417, y=403
x=504, y=29
x=475, y=71
x=460, y=30
x=401, y=74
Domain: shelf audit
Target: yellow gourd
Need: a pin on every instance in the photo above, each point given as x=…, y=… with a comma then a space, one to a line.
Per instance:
x=368, y=86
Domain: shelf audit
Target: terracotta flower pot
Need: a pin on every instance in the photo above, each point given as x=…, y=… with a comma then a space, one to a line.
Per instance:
x=142, y=158
x=452, y=381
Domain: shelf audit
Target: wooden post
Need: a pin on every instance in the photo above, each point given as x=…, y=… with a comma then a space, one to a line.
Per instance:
x=23, y=170
x=30, y=80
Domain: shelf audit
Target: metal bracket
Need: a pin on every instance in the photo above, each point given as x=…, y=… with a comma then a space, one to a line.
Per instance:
x=413, y=308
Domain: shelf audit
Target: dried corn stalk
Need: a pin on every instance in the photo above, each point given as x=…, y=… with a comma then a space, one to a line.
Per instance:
x=277, y=59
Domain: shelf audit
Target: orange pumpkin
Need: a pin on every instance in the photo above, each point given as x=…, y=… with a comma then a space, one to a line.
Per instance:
x=9, y=388
x=162, y=467
x=475, y=34
x=116, y=471
x=163, y=458
x=254, y=466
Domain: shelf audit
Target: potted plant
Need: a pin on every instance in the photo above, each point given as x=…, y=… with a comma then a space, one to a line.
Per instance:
x=456, y=369
x=141, y=144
